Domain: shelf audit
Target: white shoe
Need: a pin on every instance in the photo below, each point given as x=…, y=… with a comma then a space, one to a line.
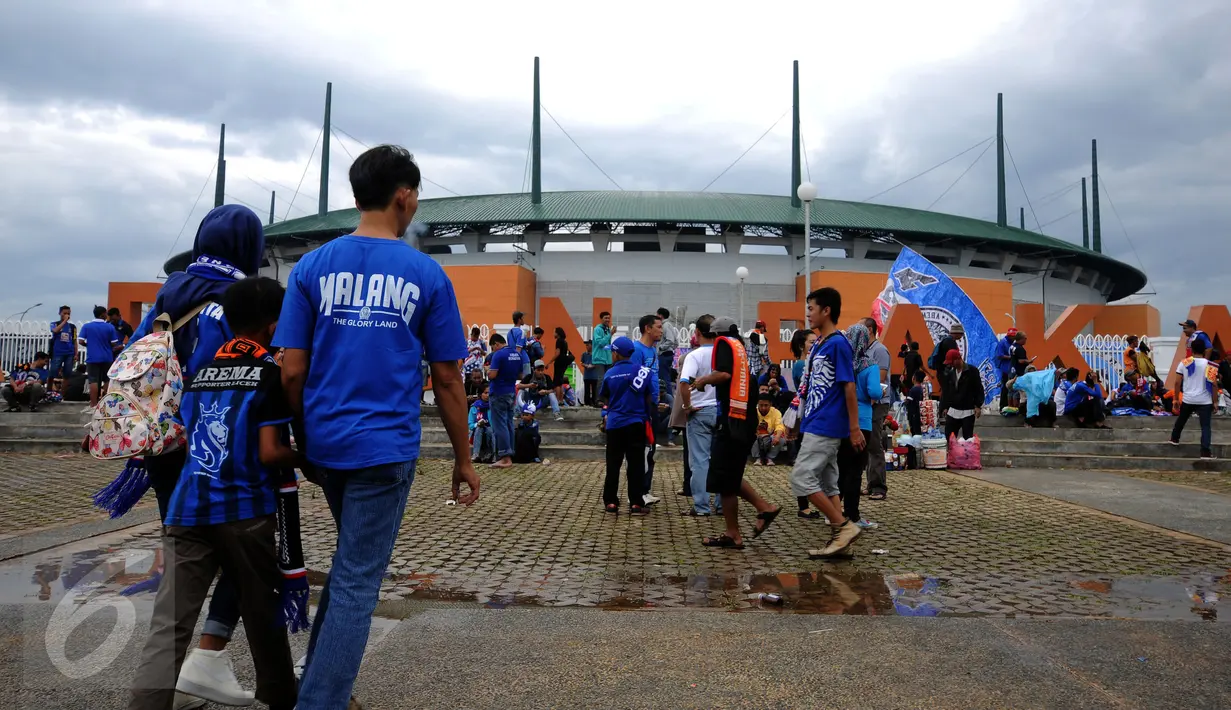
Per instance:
x=648, y=499
x=187, y=702
x=209, y=675
x=87, y=410
x=300, y=666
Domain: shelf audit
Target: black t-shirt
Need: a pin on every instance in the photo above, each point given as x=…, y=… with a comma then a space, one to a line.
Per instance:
x=911, y=362
x=562, y=353
x=1020, y=359
x=124, y=329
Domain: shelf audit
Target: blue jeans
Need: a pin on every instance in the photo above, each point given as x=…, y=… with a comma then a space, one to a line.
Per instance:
x=550, y=397
x=700, y=434
x=502, y=423
x=367, y=506
x=61, y=367
x=482, y=434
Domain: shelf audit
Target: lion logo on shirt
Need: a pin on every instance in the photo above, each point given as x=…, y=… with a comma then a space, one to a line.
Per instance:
x=208, y=441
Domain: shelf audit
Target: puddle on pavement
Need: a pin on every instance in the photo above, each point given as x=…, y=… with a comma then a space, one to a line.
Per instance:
x=1157, y=597
x=86, y=570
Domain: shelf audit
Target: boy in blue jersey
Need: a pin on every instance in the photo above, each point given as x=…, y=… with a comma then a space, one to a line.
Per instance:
x=101, y=343
x=369, y=300
x=627, y=389
x=63, y=349
x=504, y=373
x=645, y=354
x=830, y=415
x=222, y=513
x=517, y=341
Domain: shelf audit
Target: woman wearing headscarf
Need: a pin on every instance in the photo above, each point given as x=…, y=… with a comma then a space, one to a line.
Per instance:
x=229, y=246
x=868, y=389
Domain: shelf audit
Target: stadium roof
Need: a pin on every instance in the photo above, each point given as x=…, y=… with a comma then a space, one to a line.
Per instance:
x=832, y=217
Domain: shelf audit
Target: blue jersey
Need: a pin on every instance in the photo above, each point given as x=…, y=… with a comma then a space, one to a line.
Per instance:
x=868, y=390
x=822, y=395
x=1004, y=349
x=223, y=410
x=1077, y=393
x=517, y=338
x=64, y=342
x=197, y=341
x=507, y=363
x=100, y=338
x=627, y=390
x=647, y=356
x=370, y=311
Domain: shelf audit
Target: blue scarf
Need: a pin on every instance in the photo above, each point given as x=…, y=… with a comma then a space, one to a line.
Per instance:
x=215, y=269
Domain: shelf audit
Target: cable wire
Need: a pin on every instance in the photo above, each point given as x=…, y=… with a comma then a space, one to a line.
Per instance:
x=804, y=145
x=1023, y=185
x=276, y=184
x=367, y=147
x=213, y=166
x=525, y=169
x=342, y=144
x=583, y=152
x=245, y=204
x=305, y=174
x=1107, y=191
x=959, y=177
x=749, y=148
x=1058, y=219
x=925, y=172
x=1052, y=196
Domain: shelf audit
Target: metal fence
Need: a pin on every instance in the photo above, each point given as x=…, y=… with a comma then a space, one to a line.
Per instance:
x=1105, y=355
x=20, y=340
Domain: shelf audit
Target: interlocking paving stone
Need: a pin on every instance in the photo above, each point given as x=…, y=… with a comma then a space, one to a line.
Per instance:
x=539, y=535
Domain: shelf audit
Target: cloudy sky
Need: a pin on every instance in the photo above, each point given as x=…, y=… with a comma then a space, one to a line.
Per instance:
x=109, y=114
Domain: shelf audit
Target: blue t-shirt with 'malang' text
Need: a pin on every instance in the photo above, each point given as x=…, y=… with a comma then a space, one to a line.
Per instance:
x=370, y=311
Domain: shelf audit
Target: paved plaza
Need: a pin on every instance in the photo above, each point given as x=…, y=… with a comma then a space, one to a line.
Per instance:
x=965, y=550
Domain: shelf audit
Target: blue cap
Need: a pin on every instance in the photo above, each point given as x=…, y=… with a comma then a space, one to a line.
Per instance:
x=622, y=345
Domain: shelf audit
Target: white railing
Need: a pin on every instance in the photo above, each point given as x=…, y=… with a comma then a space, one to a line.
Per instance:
x=20, y=340
x=1105, y=355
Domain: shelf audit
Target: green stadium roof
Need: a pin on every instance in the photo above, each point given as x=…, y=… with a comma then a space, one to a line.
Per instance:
x=719, y=208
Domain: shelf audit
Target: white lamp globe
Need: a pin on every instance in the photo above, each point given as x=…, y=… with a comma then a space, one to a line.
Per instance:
x=806, y=192
x=741, y=272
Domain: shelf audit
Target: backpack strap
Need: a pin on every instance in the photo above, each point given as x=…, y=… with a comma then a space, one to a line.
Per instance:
x=163, y=322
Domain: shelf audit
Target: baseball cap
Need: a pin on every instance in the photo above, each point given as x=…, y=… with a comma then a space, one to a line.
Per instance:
x=540, y=363
x=622, y=345
x=953, y=356
x=1011, y=332
x=529, y=409
x=760, y=324
x=1190, y=323
x=723, y=326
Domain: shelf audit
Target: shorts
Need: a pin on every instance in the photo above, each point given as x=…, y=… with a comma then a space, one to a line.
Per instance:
x=728, y=458
x=816, y=466
x=96, y=372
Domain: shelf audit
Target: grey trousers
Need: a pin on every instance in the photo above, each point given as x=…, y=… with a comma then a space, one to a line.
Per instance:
x=876, y=451
x=248, y=552
x=31, y=395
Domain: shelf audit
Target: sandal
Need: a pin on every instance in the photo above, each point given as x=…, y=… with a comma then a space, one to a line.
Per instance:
x=768, y=518
x=692, y=513
x=722, y=541
x=613, y=509
x=810, y=514
x=877, y=496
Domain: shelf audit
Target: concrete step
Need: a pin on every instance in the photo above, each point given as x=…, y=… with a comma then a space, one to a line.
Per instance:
x=40, y=446
x=1222, y=424
x=1112, y=448
x=40, y=431
x=1192, y=432
x=557, y=452
x=44, y=416
x=589, y=436
x=587, y=414
x=1088, y=462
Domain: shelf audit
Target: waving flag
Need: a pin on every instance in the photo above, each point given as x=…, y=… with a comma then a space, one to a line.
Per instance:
x=914, y=279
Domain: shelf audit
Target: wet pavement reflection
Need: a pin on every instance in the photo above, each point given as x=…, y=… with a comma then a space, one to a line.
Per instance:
x=833, y=589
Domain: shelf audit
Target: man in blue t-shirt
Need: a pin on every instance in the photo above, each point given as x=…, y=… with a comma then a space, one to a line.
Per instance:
x=627, y=390
x=645, y=354
x=371, y=301
x=830, y=413
x=504, y=373
x=517, y=341
x=101, y=343
x=63, y=347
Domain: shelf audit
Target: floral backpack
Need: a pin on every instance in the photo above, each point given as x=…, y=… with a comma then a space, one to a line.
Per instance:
x=137, y=415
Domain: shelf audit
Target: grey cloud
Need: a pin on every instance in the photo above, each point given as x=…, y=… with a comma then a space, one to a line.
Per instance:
x=1148, y=79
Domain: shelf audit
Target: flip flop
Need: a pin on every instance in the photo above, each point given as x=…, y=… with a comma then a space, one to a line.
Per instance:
x=877, y=496
x=809, y=514
x=722, y=541
x=768, y=518
x=692, y=513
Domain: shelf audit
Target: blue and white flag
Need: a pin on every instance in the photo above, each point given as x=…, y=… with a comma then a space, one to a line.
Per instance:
x=914, y=279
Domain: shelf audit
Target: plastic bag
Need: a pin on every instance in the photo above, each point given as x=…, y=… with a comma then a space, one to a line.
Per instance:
x=965, y=454
x=929, y=414
x=790, y=418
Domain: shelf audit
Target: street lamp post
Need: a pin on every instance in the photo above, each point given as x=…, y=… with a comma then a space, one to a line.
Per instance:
x=742, y=274
x=23, y=313
x=807, y=193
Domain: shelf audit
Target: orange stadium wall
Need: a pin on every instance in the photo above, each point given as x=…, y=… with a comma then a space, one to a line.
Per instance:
x=1137, y=319
x=130, y=297
x=489, y=294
